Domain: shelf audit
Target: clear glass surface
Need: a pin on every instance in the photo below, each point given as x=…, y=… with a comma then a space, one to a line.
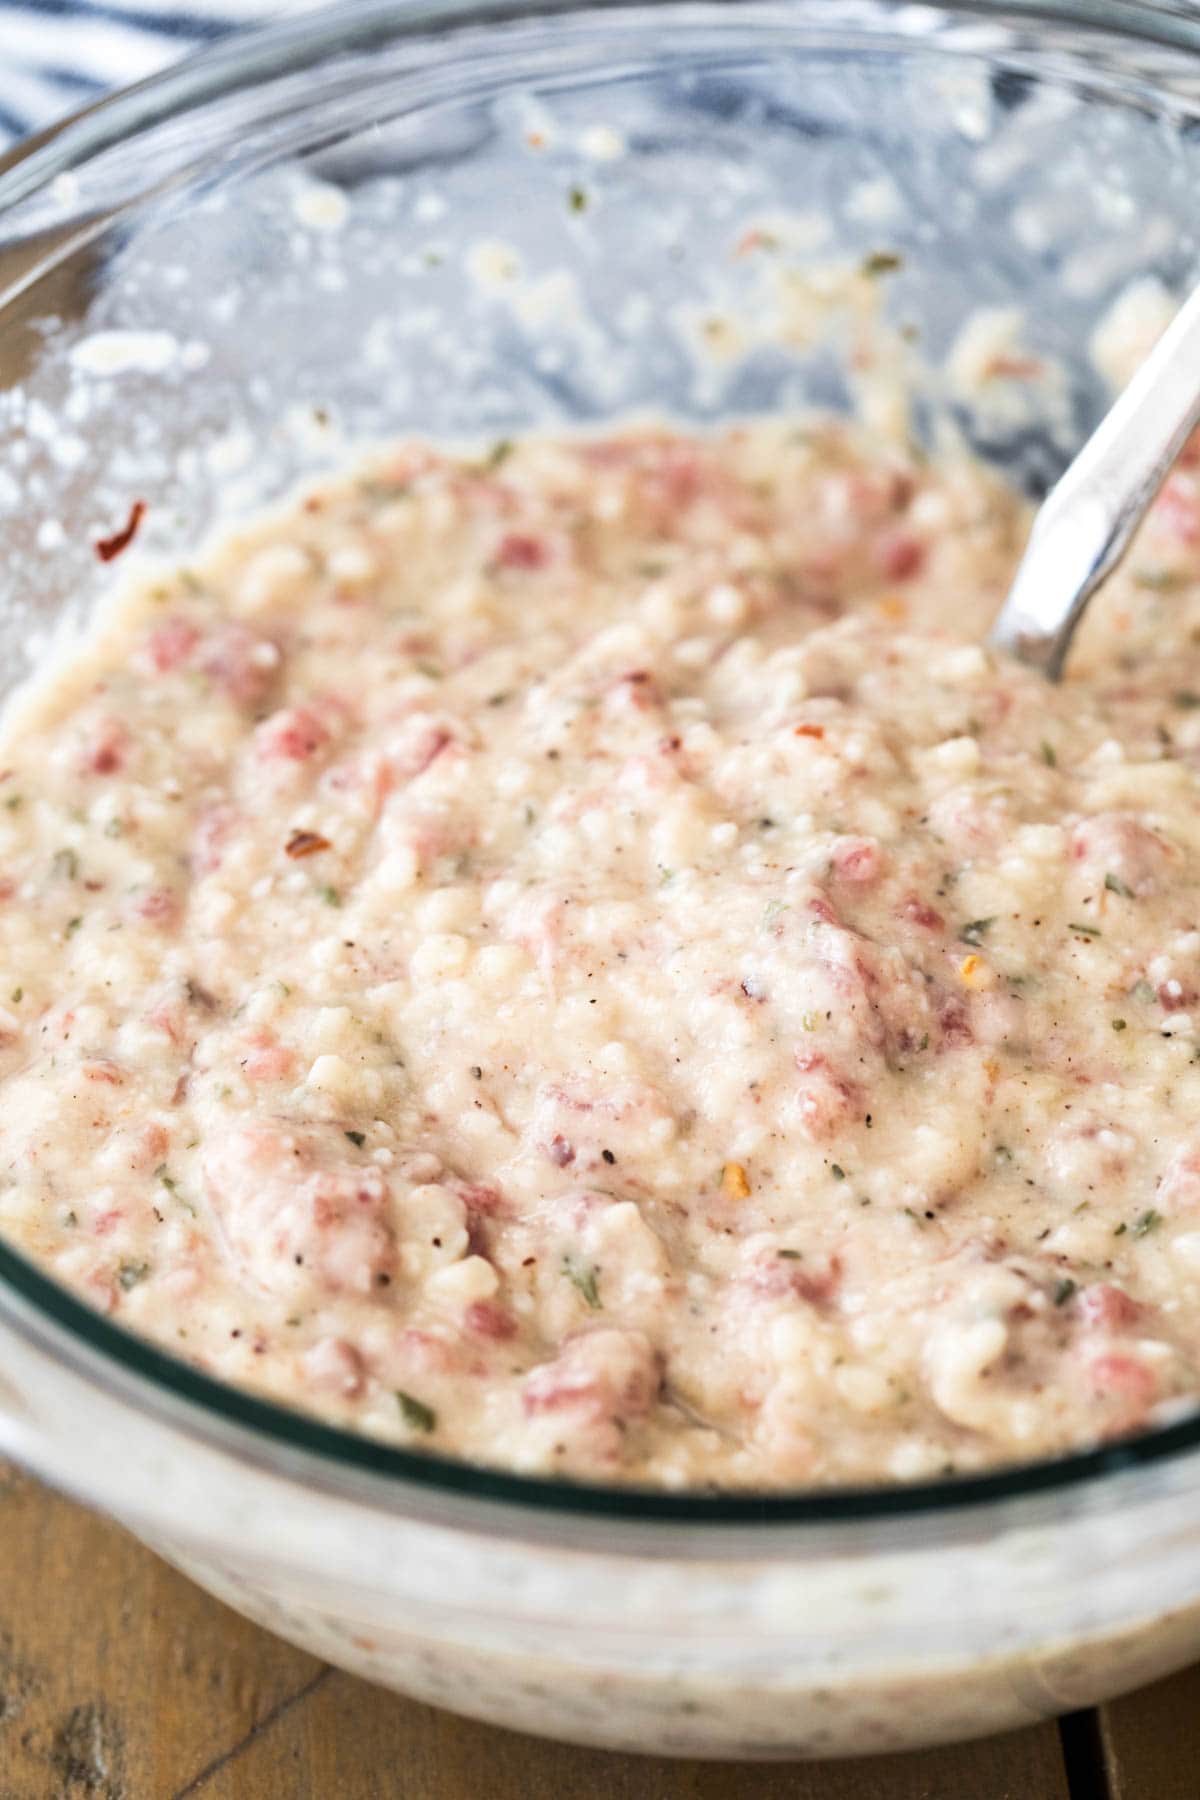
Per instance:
x=369, y=222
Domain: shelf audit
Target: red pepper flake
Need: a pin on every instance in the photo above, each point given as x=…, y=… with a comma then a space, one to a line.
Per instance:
x=811, y=731
x=305, y=843
x=755, y=239
x=1012, y=367
x=107, y=548
x=103, y=1071
x=735, y=1184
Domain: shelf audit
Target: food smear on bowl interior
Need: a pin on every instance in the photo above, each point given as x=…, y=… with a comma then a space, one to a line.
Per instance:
x=573, y=957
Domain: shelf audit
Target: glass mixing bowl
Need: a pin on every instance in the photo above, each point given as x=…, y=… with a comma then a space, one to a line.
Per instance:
x=462, y=218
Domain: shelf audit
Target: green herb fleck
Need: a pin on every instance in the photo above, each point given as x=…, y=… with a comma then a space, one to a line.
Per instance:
x=583, y=1278
x=380, y=492
x=790, y=1255
x=1115, y=885
x=129, y=1274
x=17, y=995
x=1122, y=1228
x=1063, y=1291
x=330, y=896
x=838, y=1173
x=880, y=262
x=415, y=1412
x=1083, y=930
x=1118, y=1024
x=499, y=453
x=14, y=802
x=1141, y=990
x=357, y=1137
x=65, y=865
x=163, y=1174
x=975, y=932
x=1146, y=1223
x=1049, y=754
x=115, y=828
x=1186, y=699
x=809, y=1020
x=1159, y=581
x=771, y=912
x=577, y=200
x=72, y=925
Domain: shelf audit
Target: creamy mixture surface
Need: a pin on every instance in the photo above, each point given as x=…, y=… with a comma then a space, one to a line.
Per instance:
x=574, y=957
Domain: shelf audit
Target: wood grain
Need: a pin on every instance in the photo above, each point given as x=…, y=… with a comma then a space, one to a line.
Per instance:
x=121, y=1681
x=1151, y=1741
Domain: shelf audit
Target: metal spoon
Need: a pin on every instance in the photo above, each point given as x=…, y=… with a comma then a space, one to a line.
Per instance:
x=1084, y=525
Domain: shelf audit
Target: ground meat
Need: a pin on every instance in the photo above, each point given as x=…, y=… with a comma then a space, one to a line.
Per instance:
x=296, y=1228
x=580, y=960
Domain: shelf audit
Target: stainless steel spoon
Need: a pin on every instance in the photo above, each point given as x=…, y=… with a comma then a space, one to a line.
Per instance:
x=1084, y=525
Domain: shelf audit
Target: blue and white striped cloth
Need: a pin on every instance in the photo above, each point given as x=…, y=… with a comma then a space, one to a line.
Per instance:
x=56, y=55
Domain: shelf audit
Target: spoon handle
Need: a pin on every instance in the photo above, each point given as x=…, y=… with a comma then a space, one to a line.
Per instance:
x=1084, y=525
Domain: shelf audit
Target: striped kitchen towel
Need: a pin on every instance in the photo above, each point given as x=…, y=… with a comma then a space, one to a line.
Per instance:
x=56, y=55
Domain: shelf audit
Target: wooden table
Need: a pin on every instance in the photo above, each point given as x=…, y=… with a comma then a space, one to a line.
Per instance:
x=121, y=1681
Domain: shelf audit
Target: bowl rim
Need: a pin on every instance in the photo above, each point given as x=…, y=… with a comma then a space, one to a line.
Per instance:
x=51, y=1320
x=236, y=1418
x=245, y=54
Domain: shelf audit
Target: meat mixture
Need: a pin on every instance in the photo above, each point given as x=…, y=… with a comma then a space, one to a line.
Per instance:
x=574, y=957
